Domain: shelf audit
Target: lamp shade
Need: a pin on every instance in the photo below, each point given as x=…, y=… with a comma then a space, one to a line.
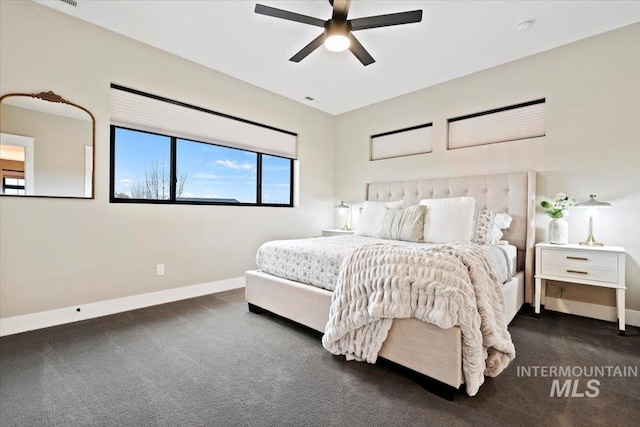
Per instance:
x=337, y=43
x=592, y=203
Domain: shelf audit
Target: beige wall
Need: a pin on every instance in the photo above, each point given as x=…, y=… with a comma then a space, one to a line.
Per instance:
x=57, y=253
x=58, y=148
x=592, y=88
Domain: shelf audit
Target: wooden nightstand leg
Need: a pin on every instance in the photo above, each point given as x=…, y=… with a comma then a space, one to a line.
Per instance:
x=621, y=308
x=537, y=292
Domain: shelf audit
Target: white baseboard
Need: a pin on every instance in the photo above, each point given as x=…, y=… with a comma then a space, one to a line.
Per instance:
x=595, y=311
x=45, y=319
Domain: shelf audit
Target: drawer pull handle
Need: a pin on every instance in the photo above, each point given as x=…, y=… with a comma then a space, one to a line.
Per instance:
x=576, y=271
x=578, y=258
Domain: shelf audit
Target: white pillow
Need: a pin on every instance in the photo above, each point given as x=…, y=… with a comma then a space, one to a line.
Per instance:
x=449, y=220
x=371, y=217
x=501, y=222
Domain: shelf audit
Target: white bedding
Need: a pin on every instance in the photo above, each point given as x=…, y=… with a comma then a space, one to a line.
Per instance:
x=512, y=255
x=316, y=261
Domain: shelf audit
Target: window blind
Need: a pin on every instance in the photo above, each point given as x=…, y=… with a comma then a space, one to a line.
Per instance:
x=504, y=124
x=140, y=111
x=403, y=142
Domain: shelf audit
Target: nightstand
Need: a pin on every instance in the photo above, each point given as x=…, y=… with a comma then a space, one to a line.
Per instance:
x=585, y=265
x=335, y=232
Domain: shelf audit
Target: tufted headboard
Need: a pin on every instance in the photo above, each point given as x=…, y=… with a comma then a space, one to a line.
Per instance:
x=512, y=193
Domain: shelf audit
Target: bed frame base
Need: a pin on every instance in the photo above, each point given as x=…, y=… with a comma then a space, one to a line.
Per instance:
x=419, y=346
x=434, y=386
x=255, y=309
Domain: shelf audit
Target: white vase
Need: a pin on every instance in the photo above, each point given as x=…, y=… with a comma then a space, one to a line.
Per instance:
x=558, y=231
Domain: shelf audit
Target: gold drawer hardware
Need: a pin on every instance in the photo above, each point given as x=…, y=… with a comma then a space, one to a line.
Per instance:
x=576, y=271
x=578, y=258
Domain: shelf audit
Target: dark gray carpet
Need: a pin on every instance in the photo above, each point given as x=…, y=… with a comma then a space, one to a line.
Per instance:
x=208, y=361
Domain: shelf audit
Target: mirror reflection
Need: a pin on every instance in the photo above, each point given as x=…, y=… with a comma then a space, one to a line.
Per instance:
x=46, y=146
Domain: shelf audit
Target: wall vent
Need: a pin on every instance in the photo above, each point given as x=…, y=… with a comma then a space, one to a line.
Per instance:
x=73, y=3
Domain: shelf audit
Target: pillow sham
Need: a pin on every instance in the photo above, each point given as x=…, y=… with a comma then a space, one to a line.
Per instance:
x=371, y=217
x=449, y=220
x=403, y=224
x=483, y=227
x=488, y=225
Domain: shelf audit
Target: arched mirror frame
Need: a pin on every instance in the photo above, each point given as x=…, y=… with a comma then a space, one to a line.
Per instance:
x=51, y=96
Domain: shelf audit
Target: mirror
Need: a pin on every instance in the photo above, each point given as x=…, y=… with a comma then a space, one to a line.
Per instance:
x=46, y=146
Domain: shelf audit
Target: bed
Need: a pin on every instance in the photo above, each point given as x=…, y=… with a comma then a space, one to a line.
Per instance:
x=411, y=343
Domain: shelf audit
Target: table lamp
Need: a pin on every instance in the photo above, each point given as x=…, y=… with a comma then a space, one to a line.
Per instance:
x=592, y=204
x=344, y=208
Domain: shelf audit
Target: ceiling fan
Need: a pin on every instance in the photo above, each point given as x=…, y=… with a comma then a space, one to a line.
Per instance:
x=337, y=35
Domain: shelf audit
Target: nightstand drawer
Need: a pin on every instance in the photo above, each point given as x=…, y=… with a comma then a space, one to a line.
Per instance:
x=580, y=259
x=584, y=273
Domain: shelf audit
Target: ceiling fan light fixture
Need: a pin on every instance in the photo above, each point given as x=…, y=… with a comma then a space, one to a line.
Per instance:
x=337, y=35
x=337, y=43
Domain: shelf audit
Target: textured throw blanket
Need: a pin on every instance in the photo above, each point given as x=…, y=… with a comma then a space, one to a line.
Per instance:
x=446, y=285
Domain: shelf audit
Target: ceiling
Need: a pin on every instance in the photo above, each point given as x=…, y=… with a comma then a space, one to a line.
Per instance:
x=455, y=38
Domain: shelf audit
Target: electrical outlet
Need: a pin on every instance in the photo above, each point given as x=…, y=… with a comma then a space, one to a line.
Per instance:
x=160, y=270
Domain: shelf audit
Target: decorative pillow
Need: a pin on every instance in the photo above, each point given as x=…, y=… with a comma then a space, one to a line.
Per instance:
x=371, y=217
x=449, y=220
x=488, y=226
x=483, y=227
x=403, y=224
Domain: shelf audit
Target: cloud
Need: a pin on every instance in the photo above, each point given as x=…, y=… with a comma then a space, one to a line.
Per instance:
x=188, y=195
x=205, y=176
x=232, y=164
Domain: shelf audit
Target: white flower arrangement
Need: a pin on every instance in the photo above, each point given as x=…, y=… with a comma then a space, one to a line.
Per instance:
x=560, y=206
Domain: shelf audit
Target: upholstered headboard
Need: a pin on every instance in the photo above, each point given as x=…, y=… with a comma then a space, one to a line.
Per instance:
x=512, y=193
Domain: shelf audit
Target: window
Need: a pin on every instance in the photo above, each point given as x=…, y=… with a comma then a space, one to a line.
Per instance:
x=203, y=172
x=511, y=123
x=403, y=142
x=170, y=152
x=276, y=180
x=13, y=186
x=207, y=172
x=142, y=165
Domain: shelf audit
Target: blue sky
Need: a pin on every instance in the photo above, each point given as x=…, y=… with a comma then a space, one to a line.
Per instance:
x=212, y=172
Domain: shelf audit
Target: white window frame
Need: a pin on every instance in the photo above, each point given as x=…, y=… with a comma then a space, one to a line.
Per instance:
x=28, y=144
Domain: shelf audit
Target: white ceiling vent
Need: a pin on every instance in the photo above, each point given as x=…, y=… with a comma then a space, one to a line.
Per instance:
x=73, y=3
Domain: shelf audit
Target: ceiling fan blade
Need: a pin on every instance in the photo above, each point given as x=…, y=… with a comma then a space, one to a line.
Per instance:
x=359, y=51
x=386, y=20
x=289, y=16
x=340, y=9
x=316, y=43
